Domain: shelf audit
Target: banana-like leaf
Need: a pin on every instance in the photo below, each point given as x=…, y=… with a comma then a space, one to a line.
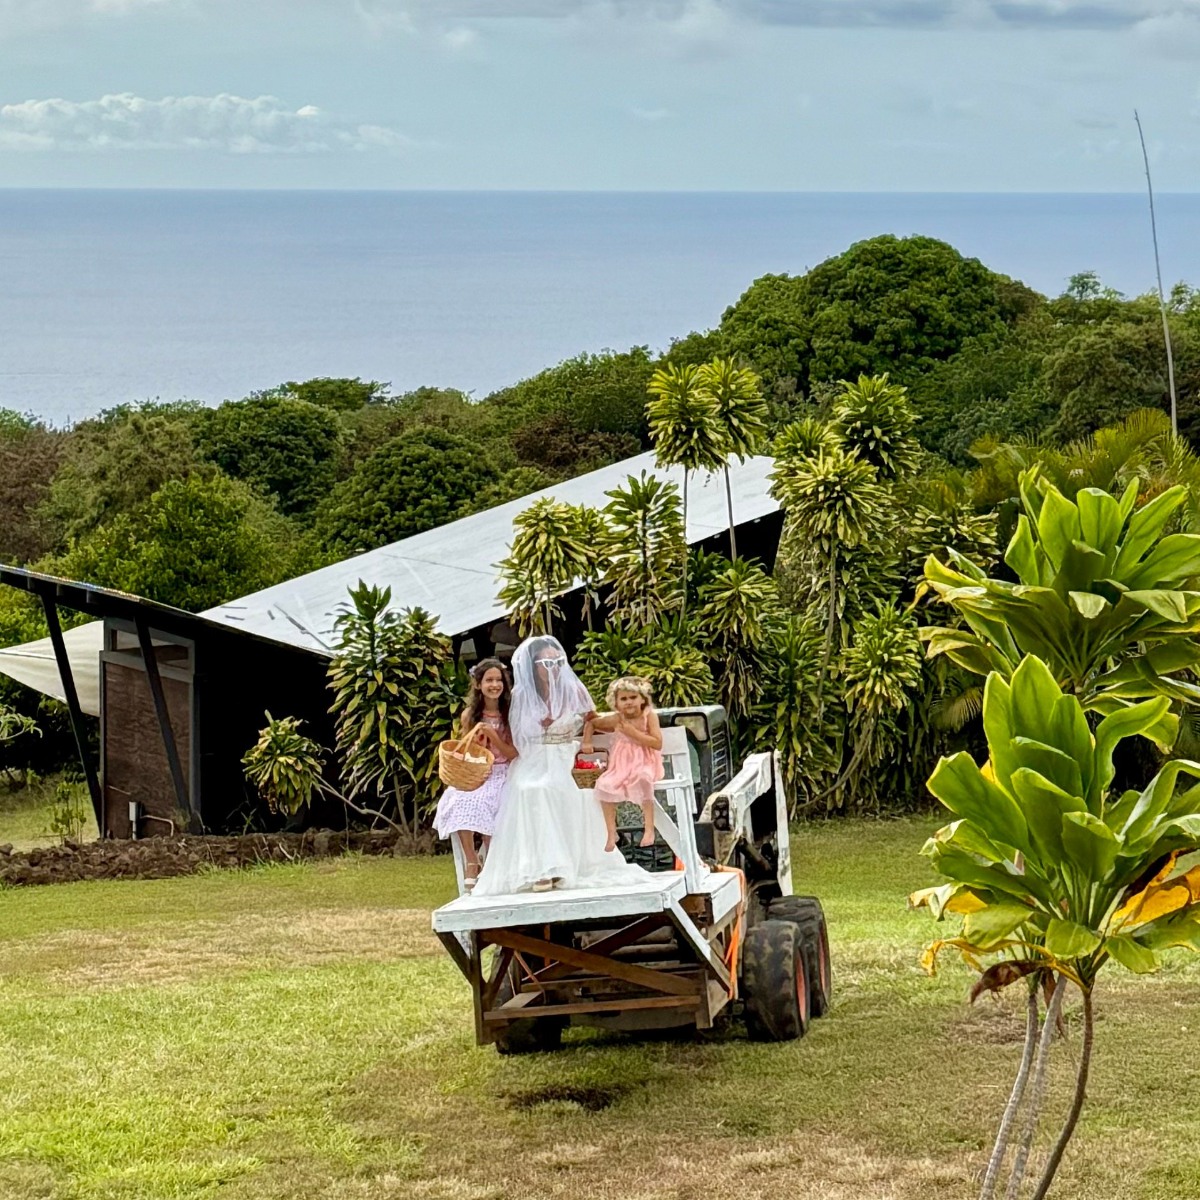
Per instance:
x=1132, y=955
x=1043, y=806
x=1089, y=844
x=1125, y=722
x=1153, y=802
x=1181, y=929
x=1163, y=732
x=1145, y=528
x=990, y=924
x=1069, y=939
x=960, y=785
x=1089, y=605
x=1025, y=556
x=1160, y=900
x=1100, y=520
x=1175, y=558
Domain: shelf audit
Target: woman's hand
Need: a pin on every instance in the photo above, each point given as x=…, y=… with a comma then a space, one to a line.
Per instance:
x=547, y=722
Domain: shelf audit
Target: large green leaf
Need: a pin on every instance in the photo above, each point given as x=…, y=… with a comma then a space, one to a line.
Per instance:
x=1175, y=558
x=1069, y=939
x=1145, y=528
x=960, y=785
x=1126, y=722
x=1100, y=520
x=997, y=921
x=1043, y=806
x=1131, y=954
x=1025, y=556
x=1090, y=845
x=1171, y=606
x=1057, y=526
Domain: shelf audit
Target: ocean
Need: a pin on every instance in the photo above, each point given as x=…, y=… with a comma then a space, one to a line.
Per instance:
x=115, y=296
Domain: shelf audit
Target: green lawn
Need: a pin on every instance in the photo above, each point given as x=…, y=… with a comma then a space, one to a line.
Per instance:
x=296, y=1032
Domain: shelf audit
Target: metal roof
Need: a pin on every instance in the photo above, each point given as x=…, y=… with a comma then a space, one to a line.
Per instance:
x=449, y=571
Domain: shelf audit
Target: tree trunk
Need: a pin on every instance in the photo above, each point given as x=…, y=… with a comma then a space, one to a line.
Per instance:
x=1081, y=1078
x=729, y=503
x=1038, y=1096
x=1000, y=1149
x=827, y=652
x=683, y=607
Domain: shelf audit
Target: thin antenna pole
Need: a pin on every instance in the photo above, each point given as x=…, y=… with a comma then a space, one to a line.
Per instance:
x=1162, y=303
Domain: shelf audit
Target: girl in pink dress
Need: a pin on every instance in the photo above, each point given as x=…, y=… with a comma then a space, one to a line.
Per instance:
x=468, y=815
x=635, y=759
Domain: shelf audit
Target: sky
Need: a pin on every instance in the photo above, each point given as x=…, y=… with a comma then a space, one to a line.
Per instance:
x=725, y=95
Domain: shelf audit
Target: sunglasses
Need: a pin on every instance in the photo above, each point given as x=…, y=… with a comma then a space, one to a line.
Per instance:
x=548, y=663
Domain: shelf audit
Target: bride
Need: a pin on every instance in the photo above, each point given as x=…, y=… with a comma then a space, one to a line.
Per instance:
x=549, y=832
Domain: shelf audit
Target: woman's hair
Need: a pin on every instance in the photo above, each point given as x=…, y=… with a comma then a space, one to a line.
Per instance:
x=473, y=712
x=629, y=683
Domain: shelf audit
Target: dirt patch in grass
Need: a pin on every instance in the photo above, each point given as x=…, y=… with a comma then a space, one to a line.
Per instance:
x=590, y=1099
x=168, y=857
x=148, y=956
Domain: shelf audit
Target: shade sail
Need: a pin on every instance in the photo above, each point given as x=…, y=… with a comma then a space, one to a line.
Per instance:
x=34, y=665
x=449, y=571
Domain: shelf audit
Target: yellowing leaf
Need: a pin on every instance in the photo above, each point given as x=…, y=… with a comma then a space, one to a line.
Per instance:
x=1158, y=899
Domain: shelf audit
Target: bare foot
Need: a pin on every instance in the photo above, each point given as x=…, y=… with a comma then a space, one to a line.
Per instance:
x=647, y=838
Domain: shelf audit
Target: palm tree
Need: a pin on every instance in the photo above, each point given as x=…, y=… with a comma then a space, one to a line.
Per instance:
x=834, y=501
x=742, y=413
x=685, y=425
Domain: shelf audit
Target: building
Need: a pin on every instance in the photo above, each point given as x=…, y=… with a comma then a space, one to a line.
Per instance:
x=181, y=696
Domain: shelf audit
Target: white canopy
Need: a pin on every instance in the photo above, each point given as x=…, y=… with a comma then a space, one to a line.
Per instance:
x=450, y=571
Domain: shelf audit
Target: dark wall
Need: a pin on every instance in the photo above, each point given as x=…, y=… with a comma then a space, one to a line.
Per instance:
x=238, y=681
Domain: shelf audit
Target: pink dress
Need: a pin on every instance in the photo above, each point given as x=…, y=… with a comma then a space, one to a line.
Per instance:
x=632, y=772
x=475, y=811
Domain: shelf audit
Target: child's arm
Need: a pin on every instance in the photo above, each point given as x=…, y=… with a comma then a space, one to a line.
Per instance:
x=651, y=737
x=585, y=746
x=606, y=723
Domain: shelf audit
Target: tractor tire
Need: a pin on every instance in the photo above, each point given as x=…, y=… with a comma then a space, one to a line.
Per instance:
x=775, y=982
x=806, y=912
x=532, y=1036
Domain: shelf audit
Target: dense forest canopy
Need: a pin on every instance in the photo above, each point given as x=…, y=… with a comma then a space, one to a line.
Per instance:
x=192, y=505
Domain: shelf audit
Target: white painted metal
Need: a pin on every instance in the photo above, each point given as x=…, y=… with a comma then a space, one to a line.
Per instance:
x=654, y=894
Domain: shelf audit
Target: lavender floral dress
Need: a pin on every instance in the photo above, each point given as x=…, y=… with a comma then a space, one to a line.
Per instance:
x=475, y=811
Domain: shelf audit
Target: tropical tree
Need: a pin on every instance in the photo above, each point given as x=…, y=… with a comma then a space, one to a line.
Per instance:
x=195, y=543
x=685, y=427
x=874, y=418
x=879, y=674
x=285, y=765
x=742, y=412
x=737, y=607
x=833, y=503
x=413, y=482
x=396, y=693
x=284, y=446
x=786, y=716
x=1103, y=596
x=679, y=673
x=14, y=724
x=547, y=556
x=643, y=549
x=1055, y=875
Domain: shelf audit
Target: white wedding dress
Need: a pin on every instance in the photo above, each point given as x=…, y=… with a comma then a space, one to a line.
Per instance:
x=548, y=828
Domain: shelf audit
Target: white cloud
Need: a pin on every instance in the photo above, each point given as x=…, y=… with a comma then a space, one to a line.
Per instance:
x=234, y=124
x=929, y=14
x=651, y=115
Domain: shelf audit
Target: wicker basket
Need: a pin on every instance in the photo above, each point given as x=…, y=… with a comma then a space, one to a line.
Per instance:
x=454, y=768
x=585, y=777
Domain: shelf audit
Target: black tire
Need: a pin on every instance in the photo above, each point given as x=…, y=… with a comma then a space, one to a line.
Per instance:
x=532, y=1036
x=806, y=912
x=775, y=982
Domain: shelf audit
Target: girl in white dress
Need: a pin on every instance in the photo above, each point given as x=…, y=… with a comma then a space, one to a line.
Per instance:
x=549, y=832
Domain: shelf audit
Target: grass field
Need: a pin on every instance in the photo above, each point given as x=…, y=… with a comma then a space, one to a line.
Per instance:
x=296, y=1032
